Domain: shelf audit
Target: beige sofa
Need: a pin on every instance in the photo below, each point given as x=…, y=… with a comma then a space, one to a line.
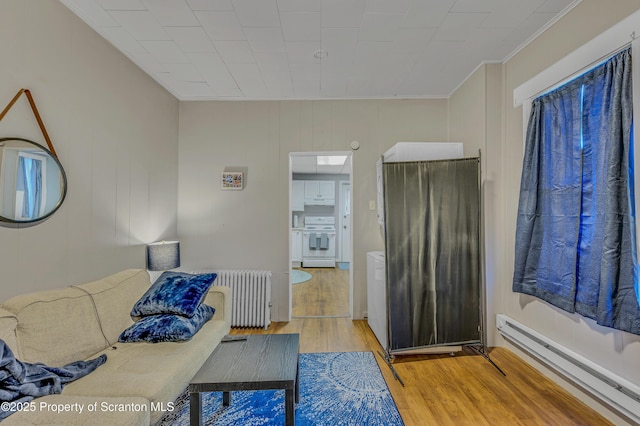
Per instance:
x=139, y=381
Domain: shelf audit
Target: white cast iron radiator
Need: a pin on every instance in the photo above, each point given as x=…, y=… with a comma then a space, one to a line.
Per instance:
x=250, y=296
x=615, y=391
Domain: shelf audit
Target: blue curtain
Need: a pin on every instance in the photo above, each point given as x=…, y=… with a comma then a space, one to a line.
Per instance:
x=30, y=181
x=575, y=234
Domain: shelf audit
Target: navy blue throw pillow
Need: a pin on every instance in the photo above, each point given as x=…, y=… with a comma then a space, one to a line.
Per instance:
x=167, y=327
x=174, y=293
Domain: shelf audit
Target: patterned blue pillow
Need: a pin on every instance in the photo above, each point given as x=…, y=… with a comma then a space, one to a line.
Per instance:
x=174, y=293
x=167, y=327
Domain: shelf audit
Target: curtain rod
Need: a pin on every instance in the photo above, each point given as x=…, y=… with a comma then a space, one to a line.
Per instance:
x=602, y=59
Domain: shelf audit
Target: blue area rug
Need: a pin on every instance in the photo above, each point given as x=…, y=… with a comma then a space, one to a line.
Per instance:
x=343, y=265
x=336, y=388
x=298, y=276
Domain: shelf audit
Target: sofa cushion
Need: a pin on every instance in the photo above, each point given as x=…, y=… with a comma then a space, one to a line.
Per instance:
x=113, y=296
x=167, y=327
x=56, y=327
x=158, y=372
x=174, y=293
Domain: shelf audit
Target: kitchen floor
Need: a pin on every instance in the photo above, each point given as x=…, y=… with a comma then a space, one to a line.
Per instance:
x=326, y=294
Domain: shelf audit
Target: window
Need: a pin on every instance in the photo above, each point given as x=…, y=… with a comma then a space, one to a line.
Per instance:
x=575, y=236
x=30, y=186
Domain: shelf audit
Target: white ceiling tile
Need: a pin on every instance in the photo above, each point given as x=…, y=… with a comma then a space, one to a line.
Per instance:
x=232, y=93
x=220, y=25
x=299, y=5
x=210, y=4
x=488, y=36
x=508, y=17
x=458, y=68
x=213, y=71
x=282, y=92
x=554, y=6
x=459, y=34
x=263, y=49
x=120, y=37
x=340, y=44
x=278, y=83
x=147, y=62
x=342, y=13
x=257, y=13
x=92, y=12
x=235, y=52
x=530, y=25
x=333, y=85
x=440, y=50
x=165, y=51
x=412, y=40
x=338, y=66
x=301, y=26
x=272, y=62
x=336, y=38
x=380, y=26
x=305, y=71
x=140, y=24
x=388, y=6
x=423, y=80
x=373, y=50
x=121, y=4
x=357, y=87
x=171, y=13
x=306, y=88
x=187, y=89
x=459, y=21
x=190, y=39
x=476, y=6
x=300, y=52
x=427, y=13
x=184, y=72
x=265, y=39
x=249, y=80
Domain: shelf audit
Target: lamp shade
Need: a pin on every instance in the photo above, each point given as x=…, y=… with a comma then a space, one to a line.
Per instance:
x=163, y=255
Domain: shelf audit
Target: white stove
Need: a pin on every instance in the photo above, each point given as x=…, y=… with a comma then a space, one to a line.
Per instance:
x=319, y=242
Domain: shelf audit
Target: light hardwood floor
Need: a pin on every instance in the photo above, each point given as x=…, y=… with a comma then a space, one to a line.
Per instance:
x=443, y=390
x=439, y=389
x=325, y=294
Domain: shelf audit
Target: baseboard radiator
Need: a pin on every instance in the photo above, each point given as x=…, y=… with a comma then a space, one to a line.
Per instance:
x=618, y=393
x=250, y=296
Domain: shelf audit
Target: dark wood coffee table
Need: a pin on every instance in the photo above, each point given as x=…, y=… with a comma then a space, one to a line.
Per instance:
x=259, y=362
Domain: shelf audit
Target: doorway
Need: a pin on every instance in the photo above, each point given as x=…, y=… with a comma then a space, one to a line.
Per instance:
x=320, y=197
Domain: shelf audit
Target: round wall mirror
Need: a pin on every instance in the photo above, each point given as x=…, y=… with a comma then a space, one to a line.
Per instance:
x=33, y=184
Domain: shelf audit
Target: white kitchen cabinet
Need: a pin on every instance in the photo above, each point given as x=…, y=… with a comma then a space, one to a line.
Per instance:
x=297, y=195
x=319, y=192
x=296, y=245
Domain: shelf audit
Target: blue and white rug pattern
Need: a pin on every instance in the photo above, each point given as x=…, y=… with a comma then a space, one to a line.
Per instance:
x=336, y=388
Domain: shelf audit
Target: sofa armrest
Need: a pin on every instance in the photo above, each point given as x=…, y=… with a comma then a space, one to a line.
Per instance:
x=220, y=298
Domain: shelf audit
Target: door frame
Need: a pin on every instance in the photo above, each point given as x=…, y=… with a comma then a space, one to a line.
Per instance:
x=349, y=155
x=341, y=188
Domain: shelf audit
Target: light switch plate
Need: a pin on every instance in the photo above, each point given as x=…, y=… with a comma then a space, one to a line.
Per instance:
x=372, y=205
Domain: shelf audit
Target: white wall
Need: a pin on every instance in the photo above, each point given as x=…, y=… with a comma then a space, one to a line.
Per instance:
x=250, y=228
x=614, y=350
x=115, y=131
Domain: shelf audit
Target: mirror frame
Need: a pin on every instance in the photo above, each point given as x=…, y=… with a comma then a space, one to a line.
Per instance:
x=5, y=220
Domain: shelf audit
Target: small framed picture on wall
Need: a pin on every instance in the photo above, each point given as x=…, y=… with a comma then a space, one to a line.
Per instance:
x=232, y=180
